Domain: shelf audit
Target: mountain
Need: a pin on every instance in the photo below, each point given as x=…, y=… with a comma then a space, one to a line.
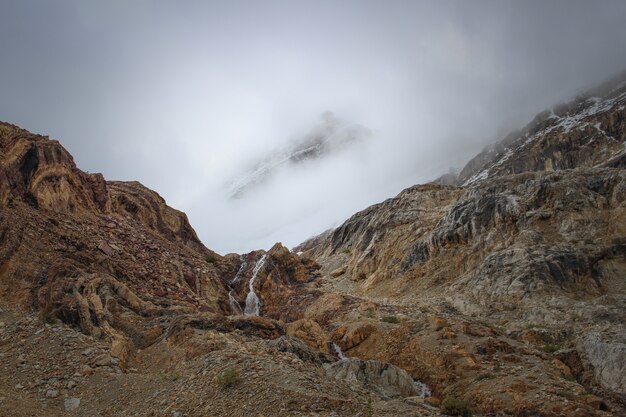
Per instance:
x=586, y=132
x=110, y=304
x=519, y=269
x=500, y=291
x=330, y=136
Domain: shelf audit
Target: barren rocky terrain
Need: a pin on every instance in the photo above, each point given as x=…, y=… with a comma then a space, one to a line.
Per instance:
x=500, y=292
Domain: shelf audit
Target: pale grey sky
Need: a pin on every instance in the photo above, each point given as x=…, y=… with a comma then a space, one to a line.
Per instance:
x=184, y=95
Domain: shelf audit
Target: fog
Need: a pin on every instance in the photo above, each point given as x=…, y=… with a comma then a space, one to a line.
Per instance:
x=187, y=96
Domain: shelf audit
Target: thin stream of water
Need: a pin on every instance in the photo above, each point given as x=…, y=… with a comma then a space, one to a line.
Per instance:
x=339, y=352
x=253, y=304
x=234, y=304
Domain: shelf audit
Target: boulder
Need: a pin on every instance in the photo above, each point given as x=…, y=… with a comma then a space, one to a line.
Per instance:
x=300, y=349
x=608, y=359
x=353, y=334
x=386, y=379
x=339, y=271
x=310, y=333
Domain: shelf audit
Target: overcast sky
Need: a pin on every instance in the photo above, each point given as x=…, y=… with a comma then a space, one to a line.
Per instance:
x=183, y=95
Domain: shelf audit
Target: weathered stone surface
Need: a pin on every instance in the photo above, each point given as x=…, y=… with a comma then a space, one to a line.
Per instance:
x=52, y=393
x=106, y=249
x=283, y=282
x=384, y=378
x=529, y=238
x=608, y=358
x=584, y=133
x=60, y=254
x=133, y=200
x=311, y=333
x=339, y=271
x=300, y=349
x=258, y=326
x=353, y=334
x=503, y=287
x=71, y=404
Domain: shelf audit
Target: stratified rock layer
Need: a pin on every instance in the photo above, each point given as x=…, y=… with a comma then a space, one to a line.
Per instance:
x=529, y=240
x=503, y=287
x=111, y=258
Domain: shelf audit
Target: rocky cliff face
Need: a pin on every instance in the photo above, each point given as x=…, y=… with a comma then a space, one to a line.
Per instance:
x=587, y=132
x=107, y=298
x=283, y=282
x=530, y=242
x=501, y=291
x=42, y=173
x=110, y=258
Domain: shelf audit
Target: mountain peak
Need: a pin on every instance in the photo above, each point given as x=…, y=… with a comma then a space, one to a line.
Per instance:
x=586, y=132
x=331, y=135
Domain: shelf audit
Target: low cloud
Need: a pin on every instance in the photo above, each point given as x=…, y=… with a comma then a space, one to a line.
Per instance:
x=187, y=98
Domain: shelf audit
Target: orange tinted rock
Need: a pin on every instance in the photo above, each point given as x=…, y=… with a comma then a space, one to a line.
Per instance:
x=531, y=337
x=476, y=330
x=353, y=334
x=432, y=401
x=439, y=322
x=310, y=333
x=447, y=333
x=564, y=369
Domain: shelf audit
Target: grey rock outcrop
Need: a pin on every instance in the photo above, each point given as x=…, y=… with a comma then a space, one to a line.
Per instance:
x=608, y=359
x=386, y=379
x=533, y=233
x=586, y=132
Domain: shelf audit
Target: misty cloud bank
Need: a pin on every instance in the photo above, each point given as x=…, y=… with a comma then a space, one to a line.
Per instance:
x=330, y=136
x=186, y=97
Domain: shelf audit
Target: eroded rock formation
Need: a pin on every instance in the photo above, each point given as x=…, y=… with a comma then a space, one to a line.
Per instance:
x=528, y=240
x=502, y=286
x=110, y=258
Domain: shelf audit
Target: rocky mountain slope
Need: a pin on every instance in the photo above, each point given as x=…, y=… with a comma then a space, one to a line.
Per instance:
x=586, y=132
x=524, y=259
x=110, y=305
x=499, y=293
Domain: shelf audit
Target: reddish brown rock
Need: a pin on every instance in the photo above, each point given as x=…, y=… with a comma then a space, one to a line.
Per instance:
x=350, y=336
x=476, y=330
x=310, y=333
x=60, y=254
x=339, y=271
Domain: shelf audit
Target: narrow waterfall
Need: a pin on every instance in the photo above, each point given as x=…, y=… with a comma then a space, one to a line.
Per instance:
x=242, y=269
x=234, y=304
x=253, y=304
x=339, y=352
x=422, y=388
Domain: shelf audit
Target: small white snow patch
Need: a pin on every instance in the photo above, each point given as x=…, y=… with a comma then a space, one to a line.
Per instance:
x=477, y=177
